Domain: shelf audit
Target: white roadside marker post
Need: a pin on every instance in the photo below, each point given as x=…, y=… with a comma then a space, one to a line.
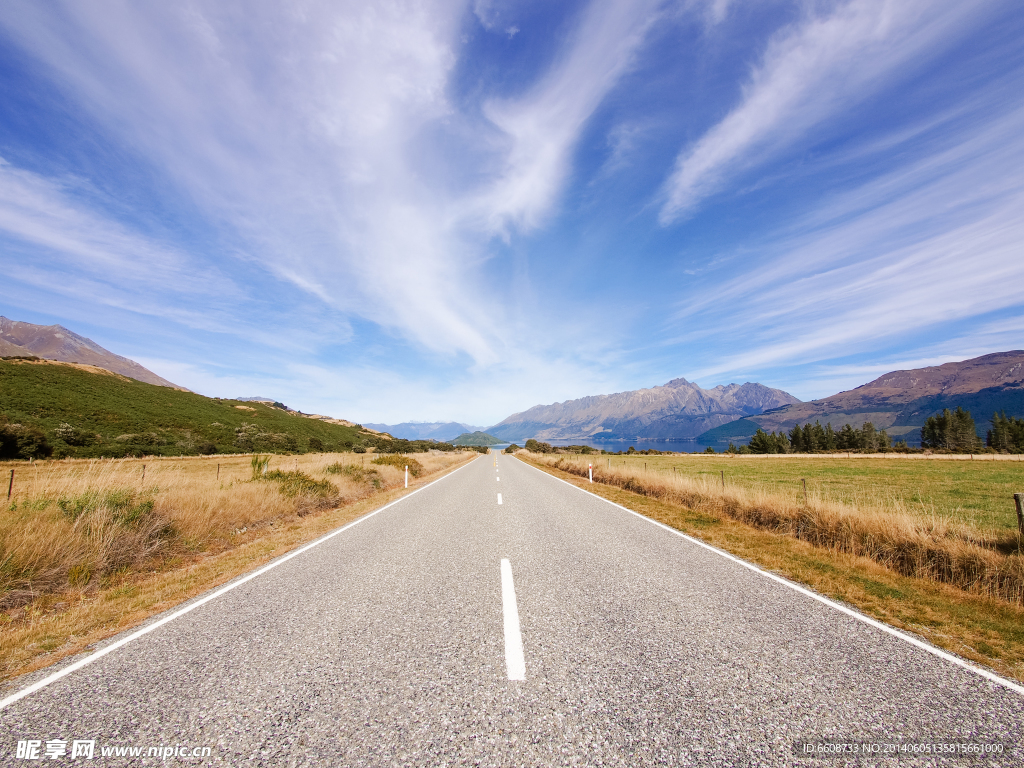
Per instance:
x=406, y=475
x=591, y=472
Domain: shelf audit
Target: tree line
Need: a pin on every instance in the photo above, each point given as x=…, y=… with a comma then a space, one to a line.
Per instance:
x=948, y=431
x=814, y=437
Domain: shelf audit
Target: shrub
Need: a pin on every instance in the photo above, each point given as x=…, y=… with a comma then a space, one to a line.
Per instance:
x=125, y=505
x=358, y=449
x=512, y=448
x=316, y=444
x=259, y=466
x=206, y=448
x=401, y=462
x=71, y=435
x=21, y=442
x=357, y=473
x=538, y=447
x=298, y=483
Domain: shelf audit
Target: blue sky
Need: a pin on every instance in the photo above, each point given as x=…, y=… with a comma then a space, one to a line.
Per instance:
x=392, y=211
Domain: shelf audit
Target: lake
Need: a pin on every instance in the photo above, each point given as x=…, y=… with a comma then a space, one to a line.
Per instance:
x=614, y=446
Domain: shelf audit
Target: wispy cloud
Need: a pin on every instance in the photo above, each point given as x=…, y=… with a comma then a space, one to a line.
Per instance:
x=931, y=243
x=543, y=126
x=810, y=72
x=383, y=192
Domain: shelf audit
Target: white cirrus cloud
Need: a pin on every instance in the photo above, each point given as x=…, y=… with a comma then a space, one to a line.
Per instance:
x=810, y=72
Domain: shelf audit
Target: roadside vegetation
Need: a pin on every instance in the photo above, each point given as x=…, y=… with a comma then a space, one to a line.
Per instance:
x=902, y=540
x=985, y=629
x=84, y=544
x=917, y=518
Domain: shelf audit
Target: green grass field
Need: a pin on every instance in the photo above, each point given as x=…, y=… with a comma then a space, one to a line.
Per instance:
x=978, y=493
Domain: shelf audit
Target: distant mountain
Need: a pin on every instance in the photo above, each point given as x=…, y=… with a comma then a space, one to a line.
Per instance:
x=679, y=409
x=443, y=431
x=901, y=401
x=476, y=438
x=55, y=342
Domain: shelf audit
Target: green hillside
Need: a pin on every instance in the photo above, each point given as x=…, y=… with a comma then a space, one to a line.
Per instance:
x=84, y=412
x=741, y=429
x=476, y=438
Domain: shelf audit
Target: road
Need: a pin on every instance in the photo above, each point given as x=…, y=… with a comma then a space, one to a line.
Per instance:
x=393, y=643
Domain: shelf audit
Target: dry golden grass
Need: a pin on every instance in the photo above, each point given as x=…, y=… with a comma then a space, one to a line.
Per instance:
x=986, y=630
x=978, y=560
x=69, y=581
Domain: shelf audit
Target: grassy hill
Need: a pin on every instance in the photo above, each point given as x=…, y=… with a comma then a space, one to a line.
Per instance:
x=85, y=411
x=476, y=438
x=741, y=429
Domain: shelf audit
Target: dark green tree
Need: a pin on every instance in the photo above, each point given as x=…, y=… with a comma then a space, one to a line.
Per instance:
x=951, y=431
x=847, y=439
x=1007, y=434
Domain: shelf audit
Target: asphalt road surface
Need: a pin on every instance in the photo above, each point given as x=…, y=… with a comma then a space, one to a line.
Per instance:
x=394, y=642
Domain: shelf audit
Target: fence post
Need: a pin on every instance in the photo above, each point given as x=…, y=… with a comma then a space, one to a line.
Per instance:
x=804, y=481
x=723, y=479
x=406, y=475
x=591, y=466
x=218, y=471
x=10, y=487
x=1016, y=497
x=143, y=473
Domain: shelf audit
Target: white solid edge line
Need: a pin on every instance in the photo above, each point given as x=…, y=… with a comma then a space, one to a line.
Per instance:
x=923, y=645
x=212, y=596
x=514, y=661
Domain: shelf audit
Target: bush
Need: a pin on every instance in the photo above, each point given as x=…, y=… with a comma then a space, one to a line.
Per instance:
x=316, y=444
x=401, y=462
x=21, y=442
x=357, y=473
x=358, y=449
x=72, y=435
x=206, y=448
x=124, y=504
x=511, y=449
x=538, y=447
x=298, y=483
x=259, y=466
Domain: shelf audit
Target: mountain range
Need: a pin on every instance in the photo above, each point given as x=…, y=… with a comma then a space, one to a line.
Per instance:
x=679, y=409
x=901, y=401
x=55, y=342
x=443, y=431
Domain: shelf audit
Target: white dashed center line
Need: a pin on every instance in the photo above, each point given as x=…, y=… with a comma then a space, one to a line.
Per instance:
x=499, y=498
x=514, y=661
